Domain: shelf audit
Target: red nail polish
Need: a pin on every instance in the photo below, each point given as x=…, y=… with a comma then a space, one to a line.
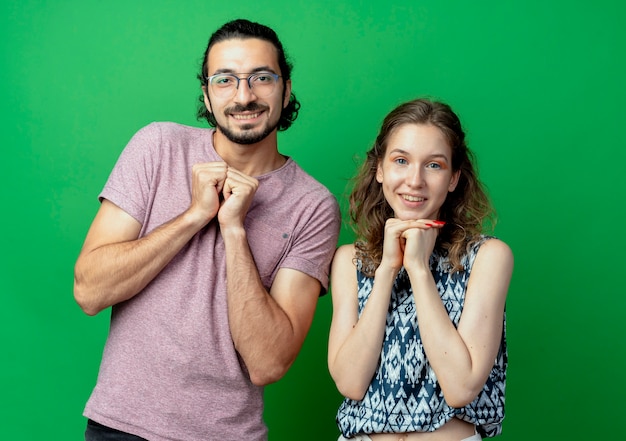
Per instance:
x=438, y=222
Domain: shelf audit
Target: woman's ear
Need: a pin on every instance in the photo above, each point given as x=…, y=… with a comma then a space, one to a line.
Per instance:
x=454, y=181
x=379, y=173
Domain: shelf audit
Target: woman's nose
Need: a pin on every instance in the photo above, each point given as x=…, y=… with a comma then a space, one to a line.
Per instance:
x=415, y=177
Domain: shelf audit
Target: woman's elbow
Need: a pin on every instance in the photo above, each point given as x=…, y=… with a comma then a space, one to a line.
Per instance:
x=350, y=388
x=356, y=394
x=461, y=397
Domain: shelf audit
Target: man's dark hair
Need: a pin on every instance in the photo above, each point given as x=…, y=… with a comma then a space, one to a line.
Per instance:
x=244, y=29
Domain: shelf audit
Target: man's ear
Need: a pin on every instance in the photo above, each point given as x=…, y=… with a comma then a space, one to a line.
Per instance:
x=207, y=101
x=287, y=93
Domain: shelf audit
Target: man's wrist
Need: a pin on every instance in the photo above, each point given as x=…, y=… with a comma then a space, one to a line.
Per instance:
x=233, y=232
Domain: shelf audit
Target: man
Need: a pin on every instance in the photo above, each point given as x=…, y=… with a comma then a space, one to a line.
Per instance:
x=212, y=249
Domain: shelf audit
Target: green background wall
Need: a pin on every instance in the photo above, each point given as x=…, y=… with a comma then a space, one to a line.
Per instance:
x=538, y=84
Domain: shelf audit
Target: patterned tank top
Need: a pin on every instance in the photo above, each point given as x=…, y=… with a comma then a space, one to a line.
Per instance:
x=404, y=395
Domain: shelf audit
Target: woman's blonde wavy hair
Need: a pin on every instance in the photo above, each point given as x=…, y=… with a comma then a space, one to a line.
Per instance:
x=467, y=210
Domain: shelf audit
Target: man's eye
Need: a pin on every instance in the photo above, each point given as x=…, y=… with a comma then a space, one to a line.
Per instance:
x=263, y=78
x=223, y=81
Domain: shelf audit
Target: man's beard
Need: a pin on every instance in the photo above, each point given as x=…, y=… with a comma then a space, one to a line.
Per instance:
x=247, y=137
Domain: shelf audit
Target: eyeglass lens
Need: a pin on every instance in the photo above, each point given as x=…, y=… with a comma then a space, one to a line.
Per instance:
x=225, y=85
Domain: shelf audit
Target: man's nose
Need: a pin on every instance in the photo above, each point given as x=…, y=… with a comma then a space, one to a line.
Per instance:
x=244, y=94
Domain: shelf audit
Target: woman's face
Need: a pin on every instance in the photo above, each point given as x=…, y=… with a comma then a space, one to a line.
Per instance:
x=416, y=171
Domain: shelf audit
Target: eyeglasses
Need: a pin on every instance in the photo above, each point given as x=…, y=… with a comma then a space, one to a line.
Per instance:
x=225, y=85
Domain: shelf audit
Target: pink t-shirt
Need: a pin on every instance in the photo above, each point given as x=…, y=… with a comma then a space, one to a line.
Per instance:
x=169, y=369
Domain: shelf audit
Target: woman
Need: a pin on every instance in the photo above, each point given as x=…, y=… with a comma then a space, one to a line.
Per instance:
x=417, y=342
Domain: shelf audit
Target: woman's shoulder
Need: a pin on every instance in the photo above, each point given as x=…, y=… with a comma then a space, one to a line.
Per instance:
x=343, y=271
x=491, y=244
x=344, y=260
x=345, y=254
x=495, y=250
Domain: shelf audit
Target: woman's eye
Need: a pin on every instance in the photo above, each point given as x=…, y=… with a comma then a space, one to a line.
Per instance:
x=400, y=161
x=434, y=165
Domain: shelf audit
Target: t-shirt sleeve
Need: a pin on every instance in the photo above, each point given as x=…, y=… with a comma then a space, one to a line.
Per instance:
x=315, y=246
x=130, y=181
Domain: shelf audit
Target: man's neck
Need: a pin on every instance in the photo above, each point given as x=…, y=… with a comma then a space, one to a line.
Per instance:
x=251, y=159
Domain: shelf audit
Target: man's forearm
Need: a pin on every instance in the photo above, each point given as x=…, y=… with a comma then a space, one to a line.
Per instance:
x=261, y=330
x=115, y=272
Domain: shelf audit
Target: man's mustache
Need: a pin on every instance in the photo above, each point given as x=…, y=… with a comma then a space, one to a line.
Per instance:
x=252, y=107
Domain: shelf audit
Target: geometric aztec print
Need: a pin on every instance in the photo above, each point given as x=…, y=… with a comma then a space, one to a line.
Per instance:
x=404, y=395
